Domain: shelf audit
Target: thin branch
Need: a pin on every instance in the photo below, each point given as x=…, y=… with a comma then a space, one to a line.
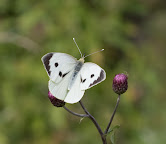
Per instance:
x=118, y=100
x=95, y=123
x=76, y=114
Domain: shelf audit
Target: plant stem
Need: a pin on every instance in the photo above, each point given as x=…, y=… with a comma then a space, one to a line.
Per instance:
x=95, y=123
x=103, y=135
x=117, y=103
x=76, y=114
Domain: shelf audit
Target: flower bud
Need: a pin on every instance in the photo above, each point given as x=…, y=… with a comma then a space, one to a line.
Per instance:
x=120, y=83
x=56, y=102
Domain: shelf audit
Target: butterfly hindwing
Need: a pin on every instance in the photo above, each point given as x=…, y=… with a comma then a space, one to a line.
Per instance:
x=75, y=93
x=91, y=74
x=60, y=90
x=58, y=65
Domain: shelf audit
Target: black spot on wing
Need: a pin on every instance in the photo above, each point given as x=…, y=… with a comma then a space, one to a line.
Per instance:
x=64, y=74
x=83, y=80
x=46, y=60
x=92, y=75
x=56, y=64
x=60, y=73
x=100, y=78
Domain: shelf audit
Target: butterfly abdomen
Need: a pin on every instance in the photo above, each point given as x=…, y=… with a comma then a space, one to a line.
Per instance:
x=75, y=73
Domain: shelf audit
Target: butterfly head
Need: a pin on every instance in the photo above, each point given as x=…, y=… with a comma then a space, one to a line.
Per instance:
x=82, y=59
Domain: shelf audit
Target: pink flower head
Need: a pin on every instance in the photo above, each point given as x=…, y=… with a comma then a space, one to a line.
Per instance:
x=56, y=102
x=120, y=84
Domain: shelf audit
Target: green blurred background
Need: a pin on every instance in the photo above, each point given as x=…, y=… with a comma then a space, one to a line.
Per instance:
x=133, y=34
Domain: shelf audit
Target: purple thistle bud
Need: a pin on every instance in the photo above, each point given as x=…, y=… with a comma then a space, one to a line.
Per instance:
x=56, y=102
x=120, y=83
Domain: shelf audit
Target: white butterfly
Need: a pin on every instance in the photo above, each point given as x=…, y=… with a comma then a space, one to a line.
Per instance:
x=69, y=77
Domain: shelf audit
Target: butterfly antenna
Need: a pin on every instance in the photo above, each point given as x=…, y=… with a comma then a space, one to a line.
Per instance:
x=93, y=53
x=77, y=46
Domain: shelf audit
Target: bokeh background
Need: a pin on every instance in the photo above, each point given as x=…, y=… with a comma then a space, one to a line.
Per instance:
x=133, y=34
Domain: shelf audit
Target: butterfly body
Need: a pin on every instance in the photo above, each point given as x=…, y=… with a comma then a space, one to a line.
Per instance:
x=69, y=77
x=77, y=68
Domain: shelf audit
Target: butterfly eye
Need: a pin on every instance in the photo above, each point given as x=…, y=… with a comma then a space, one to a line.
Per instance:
x=92, y=75
x=56, y=64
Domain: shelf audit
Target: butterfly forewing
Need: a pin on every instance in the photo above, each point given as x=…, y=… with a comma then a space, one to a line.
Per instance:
x=58, y=65
x=91, y=74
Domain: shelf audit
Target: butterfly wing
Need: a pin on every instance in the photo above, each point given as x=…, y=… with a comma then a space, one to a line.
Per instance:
x=58, y=65
x=91, y=74
x=60, y=90
x=75, y=93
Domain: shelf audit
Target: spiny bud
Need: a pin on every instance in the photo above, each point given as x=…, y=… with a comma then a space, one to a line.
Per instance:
x=56, y=102
x=120, y=83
